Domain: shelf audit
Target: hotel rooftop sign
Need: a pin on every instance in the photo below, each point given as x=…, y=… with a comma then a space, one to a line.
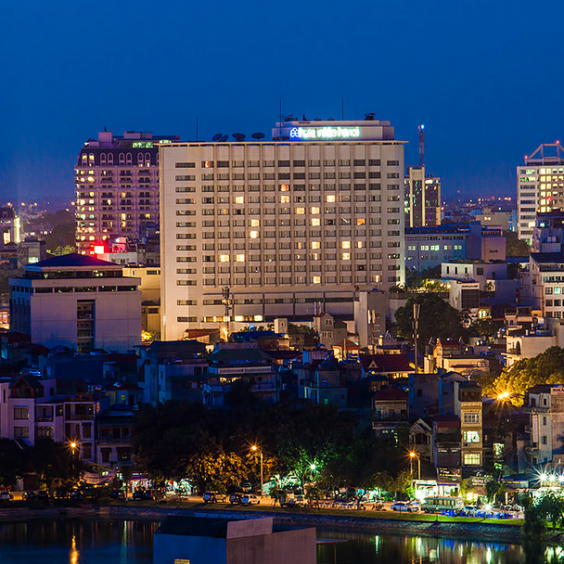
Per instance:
x=324, y=132
x=331, y=131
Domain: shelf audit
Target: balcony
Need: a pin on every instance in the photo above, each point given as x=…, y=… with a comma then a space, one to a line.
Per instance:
x=535, y=410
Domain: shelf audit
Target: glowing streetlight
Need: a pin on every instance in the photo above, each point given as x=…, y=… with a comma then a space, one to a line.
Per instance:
x=256, y=448
x=413, y=455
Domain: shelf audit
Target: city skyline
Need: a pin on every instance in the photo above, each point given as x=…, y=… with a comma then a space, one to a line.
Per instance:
x=76, y=71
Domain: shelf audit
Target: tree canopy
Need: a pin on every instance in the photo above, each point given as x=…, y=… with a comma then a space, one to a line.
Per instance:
x=545, y=368
x=437, y=319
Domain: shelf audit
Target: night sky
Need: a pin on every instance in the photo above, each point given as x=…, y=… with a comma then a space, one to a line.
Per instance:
x=484, y=77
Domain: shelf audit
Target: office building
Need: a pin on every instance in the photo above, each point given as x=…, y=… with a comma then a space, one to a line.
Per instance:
x=257, y=230
x=78, y=302
x=540, y=186
x=117, y=189
x=422, y=198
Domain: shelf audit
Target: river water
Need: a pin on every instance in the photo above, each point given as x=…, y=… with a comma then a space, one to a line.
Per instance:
x=90, y=541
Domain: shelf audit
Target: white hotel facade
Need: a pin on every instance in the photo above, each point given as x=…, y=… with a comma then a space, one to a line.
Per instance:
x=285, y=228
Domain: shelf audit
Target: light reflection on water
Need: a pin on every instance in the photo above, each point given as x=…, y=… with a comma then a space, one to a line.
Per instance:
x=91, y=541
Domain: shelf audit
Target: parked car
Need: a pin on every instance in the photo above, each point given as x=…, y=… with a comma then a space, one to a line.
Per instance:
x=138, y=495
x=43, y=494
x=29, y=496
x=415, y=505
x=6, y=496
x=235, y=498
x=403, y=506
x=117, y=494
x=149, y=495
x=213, y=497
x=250, y=499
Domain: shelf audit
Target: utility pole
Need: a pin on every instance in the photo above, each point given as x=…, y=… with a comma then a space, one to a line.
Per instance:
x=416, y=311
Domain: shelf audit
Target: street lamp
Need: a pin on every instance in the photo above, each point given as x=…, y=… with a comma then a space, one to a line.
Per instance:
x=74, y=450
x=413, y=455
x=256, y=448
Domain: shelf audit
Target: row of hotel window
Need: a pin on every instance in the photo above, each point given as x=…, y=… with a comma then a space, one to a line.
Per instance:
x=260, y=301
x=70, y=289
x=434, y=247
x=272, y=246
x=286, y=211
x=550, y=290
x=286, y=163
x=374, y=279
x=123, y=159
x=342, y=187
x=328, y=175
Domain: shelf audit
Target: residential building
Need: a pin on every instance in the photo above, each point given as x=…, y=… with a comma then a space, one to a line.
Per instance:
x=286, y=228
x=370, y=310
x=545, y=406
x=172, y=370
x=477, y=271
x=446, y=452
x=497, y=218
x=79, y=302
x=470, y=404
x=117, y=188
x=150, y=287
x=422, y=198
x=390, y=407
x=540, y=186
x=547, y=283
x=525, y=344
x=325, y=384
x=421, y=439
x=239, y=362
x=423, y=392
x=331, y=331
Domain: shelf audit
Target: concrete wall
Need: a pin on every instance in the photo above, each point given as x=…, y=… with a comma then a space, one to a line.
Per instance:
x=196, y=550
x=287, y=547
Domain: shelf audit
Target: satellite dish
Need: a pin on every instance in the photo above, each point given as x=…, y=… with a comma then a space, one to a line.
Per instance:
x=217, y=137
x=257, y=135
x=239, y=136
x=224, y=138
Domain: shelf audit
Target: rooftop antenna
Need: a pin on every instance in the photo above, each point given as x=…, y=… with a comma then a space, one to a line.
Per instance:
x=217, y=137
x=421, y=145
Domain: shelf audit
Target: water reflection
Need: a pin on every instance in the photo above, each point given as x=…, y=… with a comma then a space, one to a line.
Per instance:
x=130, y=542
x=77, y=542
x=363, y=548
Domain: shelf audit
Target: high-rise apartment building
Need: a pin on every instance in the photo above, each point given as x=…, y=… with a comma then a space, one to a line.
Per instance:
x=422, y=198
x=540, y=186
x=257, y=230
x=117, y=188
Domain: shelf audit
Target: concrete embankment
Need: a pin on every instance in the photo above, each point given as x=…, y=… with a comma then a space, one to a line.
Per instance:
x=477, y=531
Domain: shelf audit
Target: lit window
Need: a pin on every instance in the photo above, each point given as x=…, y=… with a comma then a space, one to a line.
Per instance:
x=361, y=221
x=239, y=199
x=359, y=244
x=314, y=210
x=330, y=198
x=346, y=256
x=284, y=199
x=239, y=258
x=315, y=245
x=316, y=280
x=299, y=211
x=223, y=258
x=253, y=234
x=345, y=244
x=315, y=221
x=255, y=222
x=284, y=188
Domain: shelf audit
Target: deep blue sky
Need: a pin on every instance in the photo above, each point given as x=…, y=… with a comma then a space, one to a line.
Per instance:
x=485, y=77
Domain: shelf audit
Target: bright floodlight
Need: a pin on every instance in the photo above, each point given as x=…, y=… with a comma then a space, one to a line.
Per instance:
x=312, y=466
x=543, y=476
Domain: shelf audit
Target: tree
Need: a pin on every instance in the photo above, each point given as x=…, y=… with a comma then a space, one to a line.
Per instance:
x=515, y=247
x=11, y=462
x=437, y=319
x=545, y=368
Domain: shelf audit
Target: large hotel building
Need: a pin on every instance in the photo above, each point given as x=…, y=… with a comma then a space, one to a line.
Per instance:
x=540, y=187
x=257, y=230
x=117, y=188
